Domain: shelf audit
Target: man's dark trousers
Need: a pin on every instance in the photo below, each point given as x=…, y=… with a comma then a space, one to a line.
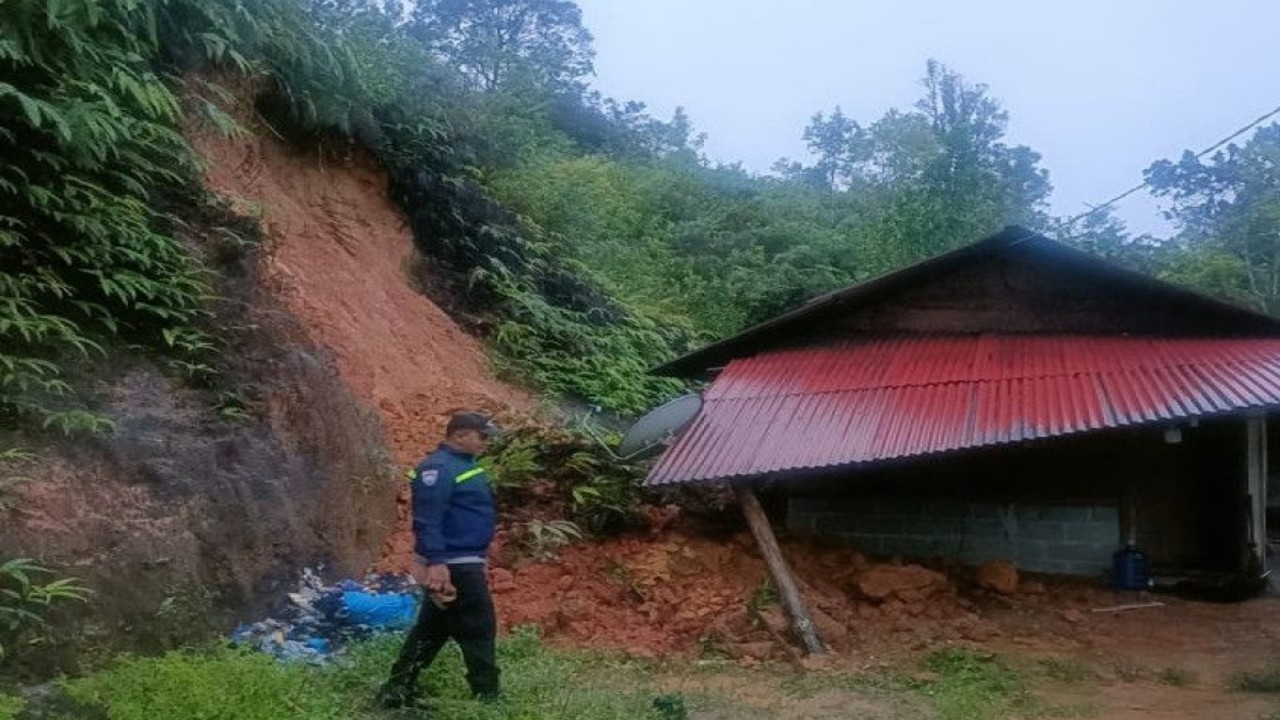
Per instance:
x=469, y=620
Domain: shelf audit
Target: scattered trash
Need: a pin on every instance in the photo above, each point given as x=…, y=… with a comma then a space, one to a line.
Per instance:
x=321, y=617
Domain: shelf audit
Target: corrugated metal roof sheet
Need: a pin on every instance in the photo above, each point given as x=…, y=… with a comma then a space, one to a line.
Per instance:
x=900, y=397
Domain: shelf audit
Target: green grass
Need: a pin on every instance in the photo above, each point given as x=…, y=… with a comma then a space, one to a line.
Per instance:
x=1176, y=677
x=958, y=684
x=222, y=683
x=972, y=685
x=9, y=707
x=1259, y=681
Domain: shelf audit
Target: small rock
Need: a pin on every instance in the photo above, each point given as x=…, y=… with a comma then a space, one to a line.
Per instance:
x=1073, y=616
x=1033, y=587
x=501, y=580
x=565, y=582
x=832, y=631
x=998, y=576
x=908, y=582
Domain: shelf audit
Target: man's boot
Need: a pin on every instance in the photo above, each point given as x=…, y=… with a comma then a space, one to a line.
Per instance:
x=394, y=696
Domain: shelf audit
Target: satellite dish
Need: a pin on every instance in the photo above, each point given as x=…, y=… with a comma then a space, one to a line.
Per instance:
x=657, y=428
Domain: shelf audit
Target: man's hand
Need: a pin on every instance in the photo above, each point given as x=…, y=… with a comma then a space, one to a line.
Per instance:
x=435, y=579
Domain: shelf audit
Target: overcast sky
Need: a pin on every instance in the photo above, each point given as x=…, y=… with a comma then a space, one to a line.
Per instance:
x=1100, y=89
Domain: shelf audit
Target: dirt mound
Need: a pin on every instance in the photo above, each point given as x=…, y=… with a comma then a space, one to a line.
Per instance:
x=687, y=590
x=337, y=257
x=903, y=583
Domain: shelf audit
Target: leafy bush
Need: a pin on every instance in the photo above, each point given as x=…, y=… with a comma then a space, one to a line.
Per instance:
x=89, y=132
x=542, y=538
x=571, y=473
x=514, y=461
x=9, y=707
x=223, y=683
x=26, y=601
x=555, y=325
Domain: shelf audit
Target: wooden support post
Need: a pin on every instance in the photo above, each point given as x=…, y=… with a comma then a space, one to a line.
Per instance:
x=779, y=569
x=1256, y=488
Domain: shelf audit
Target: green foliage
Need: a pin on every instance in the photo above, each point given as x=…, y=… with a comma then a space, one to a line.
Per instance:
x=10, y=706
x=765, y=596
x=973, y=685
x=1266, y=680
x=595, y=240
x=186, y=614
x=715, y=249
x=563, y=352
x=1228, y=212
x=543, y=538
x=495, y=43
x=591, y=240
x=27, y=596
x=223, y=683
x=95, y=167
x=12, y=460
x=538, y=683
x=1176, y=677
x=89, y=132
x=515, y=460
x=571, y=473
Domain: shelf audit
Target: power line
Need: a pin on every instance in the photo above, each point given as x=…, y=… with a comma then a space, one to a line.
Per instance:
x=1098, y=208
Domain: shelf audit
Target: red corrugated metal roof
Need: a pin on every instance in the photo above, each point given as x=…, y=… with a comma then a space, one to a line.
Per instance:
x=899, y=397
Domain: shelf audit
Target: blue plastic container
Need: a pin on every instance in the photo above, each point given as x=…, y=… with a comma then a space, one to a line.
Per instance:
x=1130, y=570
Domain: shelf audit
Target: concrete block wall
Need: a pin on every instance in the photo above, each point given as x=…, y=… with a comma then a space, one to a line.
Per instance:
x=1064, y=539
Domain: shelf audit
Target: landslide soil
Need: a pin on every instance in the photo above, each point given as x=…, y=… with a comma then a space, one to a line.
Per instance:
x=338, y=257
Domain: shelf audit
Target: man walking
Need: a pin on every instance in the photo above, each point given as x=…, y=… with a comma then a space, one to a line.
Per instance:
x=453, y=523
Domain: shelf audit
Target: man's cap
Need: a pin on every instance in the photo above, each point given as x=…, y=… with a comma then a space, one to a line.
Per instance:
x=472, y=421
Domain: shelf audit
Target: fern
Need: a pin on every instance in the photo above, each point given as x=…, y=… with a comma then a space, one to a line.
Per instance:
x=93, y=155
x=26, y=598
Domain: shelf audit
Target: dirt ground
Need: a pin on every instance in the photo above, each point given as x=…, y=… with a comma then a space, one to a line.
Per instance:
x=1180, y=661
x=704, y=601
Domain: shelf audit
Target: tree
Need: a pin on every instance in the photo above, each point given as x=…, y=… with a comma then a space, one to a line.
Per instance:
x=1101, y=234
x=950, y=146
x=975, y=167
x=841, y=147
x=496, y=42
x=1228, y=215
x=926, y=180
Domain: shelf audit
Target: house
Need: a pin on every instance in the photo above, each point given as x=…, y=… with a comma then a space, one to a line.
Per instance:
x=1014, y=398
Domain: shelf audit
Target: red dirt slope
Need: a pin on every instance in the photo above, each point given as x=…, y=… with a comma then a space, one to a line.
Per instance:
x=337, y=256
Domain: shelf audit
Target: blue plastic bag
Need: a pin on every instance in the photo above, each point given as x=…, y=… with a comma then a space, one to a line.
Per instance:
x=381, y=612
